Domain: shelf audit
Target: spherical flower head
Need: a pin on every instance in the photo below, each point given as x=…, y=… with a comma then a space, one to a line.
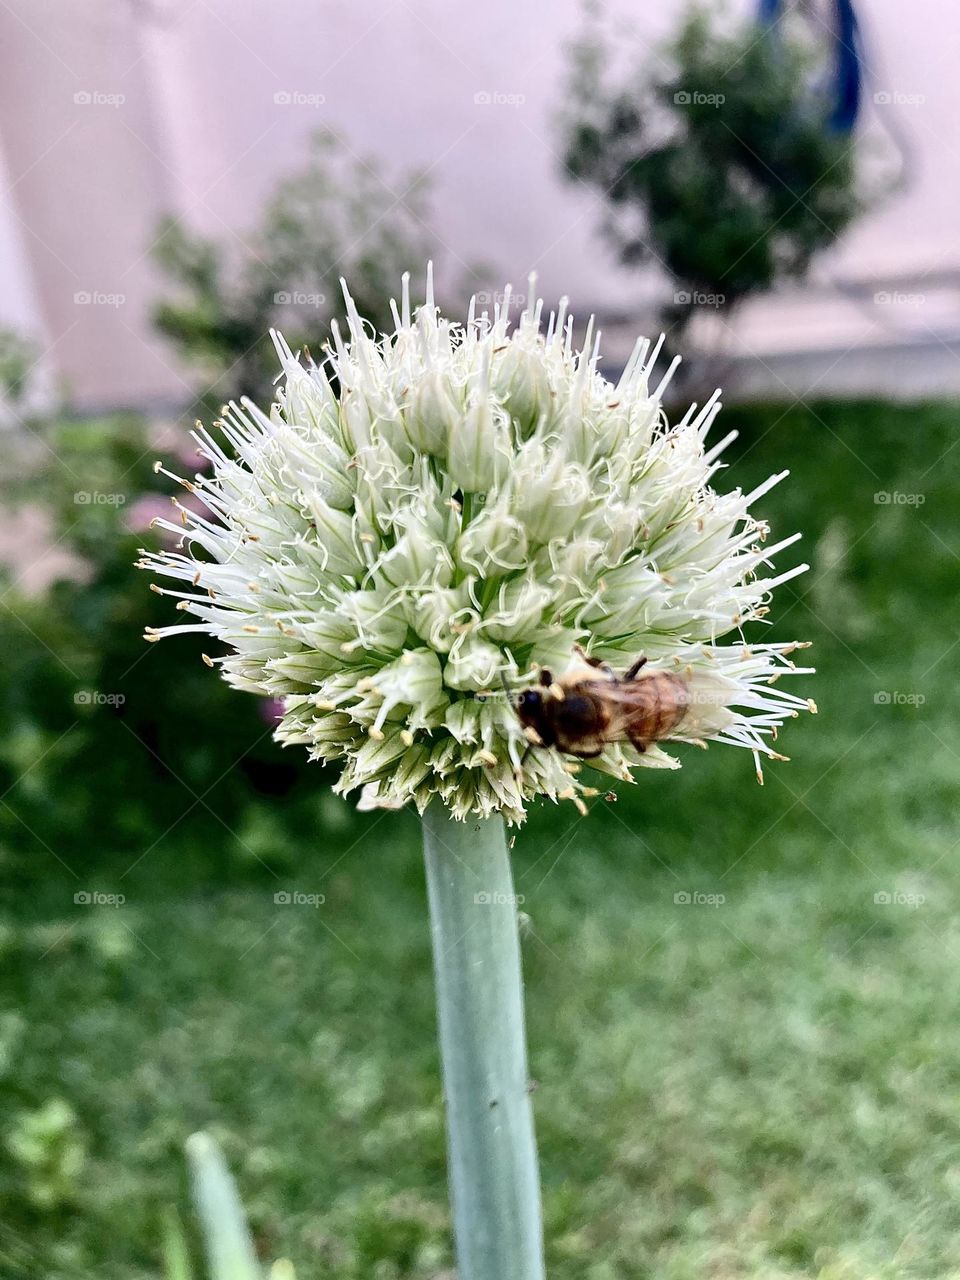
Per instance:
x=424, y=522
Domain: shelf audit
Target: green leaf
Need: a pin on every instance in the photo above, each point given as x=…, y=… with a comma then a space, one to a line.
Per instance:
x=227, y=1240
x=176, y=1259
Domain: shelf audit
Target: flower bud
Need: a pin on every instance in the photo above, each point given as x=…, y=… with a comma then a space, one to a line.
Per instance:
x=478, y=449
x=494, y=543
x=518, y=609
x=432, y=413
x=473, y=664
x=547, y=495
x=416, y=558
x=333, y=543
x=522, y=383
x=439, y=615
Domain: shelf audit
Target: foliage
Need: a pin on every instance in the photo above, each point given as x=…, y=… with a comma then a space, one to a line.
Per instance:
x=106, y=734
x=18, y=358
x=336, y=217
x=719, y=164
x=765, y=1087
x=49, y=1149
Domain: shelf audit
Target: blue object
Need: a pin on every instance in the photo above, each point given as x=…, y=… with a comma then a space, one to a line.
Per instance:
x=849, y=73
x=848, y=68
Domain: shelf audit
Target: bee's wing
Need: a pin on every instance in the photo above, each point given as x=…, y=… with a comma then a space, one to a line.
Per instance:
x=621, y=705
x=647, y=708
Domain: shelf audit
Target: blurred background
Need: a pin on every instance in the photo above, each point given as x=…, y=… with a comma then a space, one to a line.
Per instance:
x=742, y=1001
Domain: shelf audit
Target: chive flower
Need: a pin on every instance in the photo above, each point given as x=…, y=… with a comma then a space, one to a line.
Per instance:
x=425, y=520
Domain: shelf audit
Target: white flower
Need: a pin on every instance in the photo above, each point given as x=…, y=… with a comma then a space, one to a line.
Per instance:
x=469, y=505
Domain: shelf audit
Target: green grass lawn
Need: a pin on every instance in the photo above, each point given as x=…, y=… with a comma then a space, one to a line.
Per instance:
x=766, y=1086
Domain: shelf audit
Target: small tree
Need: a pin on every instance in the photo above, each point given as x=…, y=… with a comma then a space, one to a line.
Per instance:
x=334, y=218
x=721, y=164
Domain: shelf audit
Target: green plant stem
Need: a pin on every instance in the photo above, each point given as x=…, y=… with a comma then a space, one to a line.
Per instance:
x=494, y=1179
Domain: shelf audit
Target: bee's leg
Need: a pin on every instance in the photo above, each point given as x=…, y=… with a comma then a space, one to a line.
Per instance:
x=546, y=677
x=632, y=671
x=635, y=740
x=600, y=665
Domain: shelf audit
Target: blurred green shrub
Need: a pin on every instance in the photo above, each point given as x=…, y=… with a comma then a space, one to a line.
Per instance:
x=719, y=163
x=112, y=745
x=17, y=356
x=335, y=217
x=50, y=1151
x=18, y=359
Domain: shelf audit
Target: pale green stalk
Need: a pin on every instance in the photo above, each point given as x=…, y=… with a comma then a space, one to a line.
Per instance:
x=230, y=1254
x=494, y=1180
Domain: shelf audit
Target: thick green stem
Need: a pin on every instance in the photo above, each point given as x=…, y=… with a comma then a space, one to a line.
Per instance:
x=494, y=1180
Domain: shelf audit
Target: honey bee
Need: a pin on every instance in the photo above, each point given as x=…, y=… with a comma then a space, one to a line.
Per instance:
x=583, y=713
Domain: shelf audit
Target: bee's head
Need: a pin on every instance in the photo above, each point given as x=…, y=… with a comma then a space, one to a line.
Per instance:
x=529, y=705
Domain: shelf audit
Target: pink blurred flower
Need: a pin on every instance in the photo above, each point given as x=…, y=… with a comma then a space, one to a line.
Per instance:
x=143, y=510
x=271, y=710
x=140, y=515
